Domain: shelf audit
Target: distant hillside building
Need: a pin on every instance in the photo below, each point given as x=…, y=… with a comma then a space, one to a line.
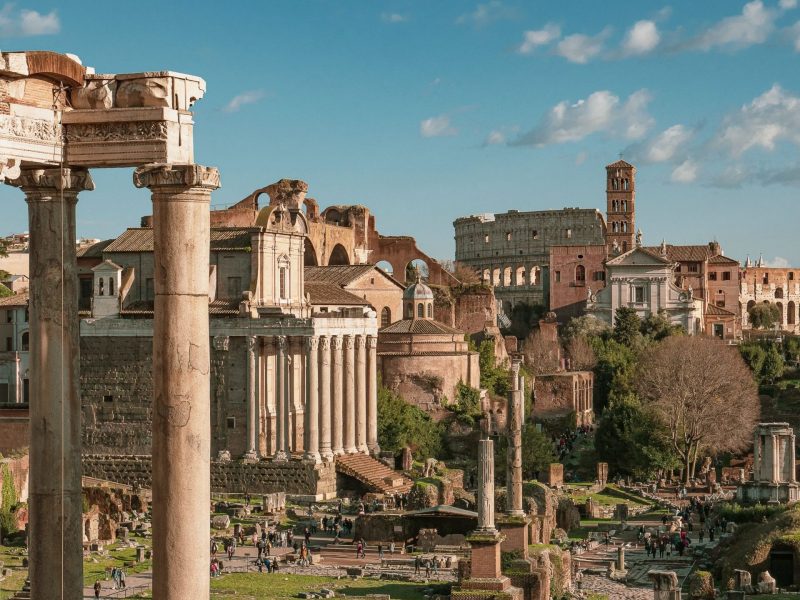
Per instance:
x=774, y=285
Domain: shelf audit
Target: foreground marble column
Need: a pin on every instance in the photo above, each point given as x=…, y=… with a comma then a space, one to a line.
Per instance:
x=281, y=400
x=486, y=485
x=252, y=396
x=361, y=394
x=311, y=428
x=337, y=418
x=372, y=395
x=514, y=467
x=55, y=553
x=349, y=395
x=325, y=398
x=181, y=409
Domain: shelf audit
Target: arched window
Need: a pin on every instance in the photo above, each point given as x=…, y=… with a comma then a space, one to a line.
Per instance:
x=625, y=184
x=386, y=316
x=420, y=310
x=282, y=283
x=580, y=273
x=110, y=286
x=625, y=206
x=791, y=313
x=101, y=286
x=430, y=310
x=779, y=292
x=25, y=342
x=720, y=300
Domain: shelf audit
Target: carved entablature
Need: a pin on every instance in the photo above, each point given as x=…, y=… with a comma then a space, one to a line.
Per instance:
x=162, y=89
x=159, y=175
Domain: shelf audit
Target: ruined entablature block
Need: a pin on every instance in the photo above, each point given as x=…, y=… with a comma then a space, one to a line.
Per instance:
x=160, y=89
x=289, y=192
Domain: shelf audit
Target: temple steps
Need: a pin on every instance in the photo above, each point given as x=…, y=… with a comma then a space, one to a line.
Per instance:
x=373, y=474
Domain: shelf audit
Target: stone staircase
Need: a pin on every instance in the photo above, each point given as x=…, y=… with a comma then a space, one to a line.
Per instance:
x=373, y=474
x=24, y=593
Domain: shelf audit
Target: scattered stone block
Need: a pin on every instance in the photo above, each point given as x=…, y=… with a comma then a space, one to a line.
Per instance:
x=221, y=522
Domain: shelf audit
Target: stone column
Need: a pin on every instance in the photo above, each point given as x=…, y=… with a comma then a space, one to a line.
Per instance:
x=372, y=395
x=486, y=485
x=311, y=429
x=361, y=394
x=281, y=423
x=337, y=418
x=181, y=411
x=55, y=554
x=349, y=396
x=325, y=398
x=252, y=396
x=514, y=468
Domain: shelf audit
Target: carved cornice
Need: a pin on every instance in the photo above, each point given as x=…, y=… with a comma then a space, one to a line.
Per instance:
x=169, y=175
x=372, y=342
x=30, y=129
x=125, y=131
x=281, y=343
x=54, y=180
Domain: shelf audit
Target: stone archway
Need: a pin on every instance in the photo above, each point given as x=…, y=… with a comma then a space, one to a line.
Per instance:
x=338, y=256
x=309, y=254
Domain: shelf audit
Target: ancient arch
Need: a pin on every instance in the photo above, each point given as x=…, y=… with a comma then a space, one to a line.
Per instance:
x=506, y=276
x=386, y=316
x=535, y=275
x=580, y=273
x=415, y=267
x=310, y=254
x=791, y=313
x=779, y=292
x=339, y=256
x=520, y=275
x=780, y=308
x=386, y=267
x=496, y=277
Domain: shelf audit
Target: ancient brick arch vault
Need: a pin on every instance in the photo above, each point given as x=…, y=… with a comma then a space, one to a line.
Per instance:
x=57, y=120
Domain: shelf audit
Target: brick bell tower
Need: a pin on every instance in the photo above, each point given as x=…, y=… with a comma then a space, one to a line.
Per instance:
x=621, y=207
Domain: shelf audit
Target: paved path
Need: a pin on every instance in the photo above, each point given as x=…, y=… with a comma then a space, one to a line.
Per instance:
x=613, y=589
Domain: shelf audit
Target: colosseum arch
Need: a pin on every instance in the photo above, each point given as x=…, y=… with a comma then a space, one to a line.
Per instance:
x=339, y=256
x=506, y=276
x=520, y=275
x=309, y=255
x=791, y=313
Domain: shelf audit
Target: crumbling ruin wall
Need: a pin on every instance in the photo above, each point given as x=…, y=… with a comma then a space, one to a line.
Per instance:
x=293, y=477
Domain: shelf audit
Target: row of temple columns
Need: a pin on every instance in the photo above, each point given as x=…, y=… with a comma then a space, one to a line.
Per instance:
x=340, y=397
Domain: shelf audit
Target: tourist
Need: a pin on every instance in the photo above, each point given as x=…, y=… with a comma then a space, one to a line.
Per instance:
x=97, y=588
x=307, y=534
x=380, y=552
x=231, y=550
x=359, y=549
x=213, y=568
x=428, y=569
x=114, y=578
x=702, y=534
x=121, y=576
x=247, y=499
x=391, y=549
x=213, y=548
x=260, y=564
x=417, y=564
x=435, y=562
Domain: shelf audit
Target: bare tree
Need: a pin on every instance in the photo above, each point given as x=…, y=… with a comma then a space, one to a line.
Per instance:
x=542, y=355
x=581, y=355
x=704, y=394
x=466, y=275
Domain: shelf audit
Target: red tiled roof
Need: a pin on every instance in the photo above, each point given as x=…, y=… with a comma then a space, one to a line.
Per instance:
x=422, y=326
x=217, y=307
x=720, y=259
x=342, y=275
x=683, y=253
x=94, y=250
x=331, y=294
x=233, y=239
x=620, y=163
x=20, y=299
x=718, y=311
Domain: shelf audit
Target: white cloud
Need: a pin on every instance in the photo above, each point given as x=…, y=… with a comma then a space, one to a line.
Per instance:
x=580, y=48
x=779, y=262
x=753, y=26
x=642, y=38
x=240, y=100
x=787, y=4
x=539, y=37
x=667, y=146
x=26, y=22
x=772, y=117
x=794, y=35
x=686, y=172
x=600, y=112
x=437, y=127
x=581, y=158
x=393, y=18
x=494, y=138
x=487, y=13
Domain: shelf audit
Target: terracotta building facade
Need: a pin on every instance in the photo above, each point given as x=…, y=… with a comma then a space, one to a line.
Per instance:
x=778, y=286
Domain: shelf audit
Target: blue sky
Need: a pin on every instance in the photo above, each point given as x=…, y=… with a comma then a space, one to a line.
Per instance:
x=426, y=111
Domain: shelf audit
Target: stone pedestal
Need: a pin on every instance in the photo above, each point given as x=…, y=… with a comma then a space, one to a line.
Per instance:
x=602, y=473
x=181, y=408
x=555, y=475
x=56, y=567
x=665, y=585
x=515, y=534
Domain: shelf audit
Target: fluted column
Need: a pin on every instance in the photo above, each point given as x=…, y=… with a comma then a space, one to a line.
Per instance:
x=55, y=554
x=311, y=429
x=486, y=485
x=181, y=410
x=252, y=397
x=514, y=467
x=349, y=395
x=325, y=398
x=281, y=401
x=372, y=395
x=337, y=418
x=361, y=394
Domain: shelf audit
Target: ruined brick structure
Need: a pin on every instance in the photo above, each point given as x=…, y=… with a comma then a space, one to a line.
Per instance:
x=559, y=395
x=779, y=286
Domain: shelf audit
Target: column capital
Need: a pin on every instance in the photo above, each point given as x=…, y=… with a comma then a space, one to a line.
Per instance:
x=54, y=179
x=360, y=341
x=348, y=342
x=221, y=342
x=252, y=342
x=336, y=342
x=324, y=342
x=281, y=343
x=311, y=343
x=372, y=342
x=170, y=175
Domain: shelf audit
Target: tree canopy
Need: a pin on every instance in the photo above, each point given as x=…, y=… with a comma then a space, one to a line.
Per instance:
x=764, y=315
x=401, y=424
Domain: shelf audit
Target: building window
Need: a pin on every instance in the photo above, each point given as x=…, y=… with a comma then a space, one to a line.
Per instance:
x=25, y=345
x=486, y=239
x=282, y=283
x=693, y=268
x=726, y=276
x=720, y=298
x=101, y=287
x=638, y=294
x=791, y=275
x=9, y=316
x=430, y=311
x=420, y=310
x=557, y=276
x=765, y=279
x=568, y=233
x=110, y=286
x=535, y=234
x=231, y=421
x=580, y=274
x=779, y=292
x=386, y=316
x=599, y=275
x=26, y=390
x=712, y=276
x=108, y=398
x=9, y=344
x=508, y=236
